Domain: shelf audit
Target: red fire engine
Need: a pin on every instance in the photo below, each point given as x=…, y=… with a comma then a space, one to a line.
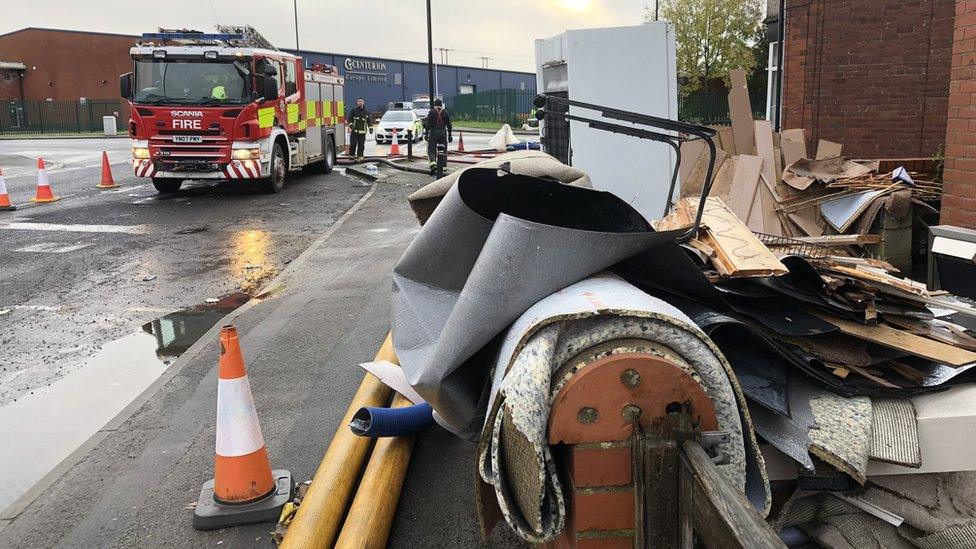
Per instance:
x=229, y=106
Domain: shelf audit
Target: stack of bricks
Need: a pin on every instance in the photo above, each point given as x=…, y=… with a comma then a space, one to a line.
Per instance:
x=602, y=513
x=959, y=178
x=591, y=427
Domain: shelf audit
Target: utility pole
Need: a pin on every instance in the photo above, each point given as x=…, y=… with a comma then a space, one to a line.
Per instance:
x=430, y=57
x=297, y=50
x=656, y=8
x=484, y=62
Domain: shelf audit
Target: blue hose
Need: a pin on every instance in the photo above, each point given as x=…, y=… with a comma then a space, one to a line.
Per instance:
x=392, y=422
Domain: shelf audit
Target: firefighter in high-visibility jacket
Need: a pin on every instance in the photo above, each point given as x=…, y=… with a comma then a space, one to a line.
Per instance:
x=437, y=124
x=359, y=126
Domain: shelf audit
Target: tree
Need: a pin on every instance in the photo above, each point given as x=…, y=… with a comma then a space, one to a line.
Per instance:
x=713, y=37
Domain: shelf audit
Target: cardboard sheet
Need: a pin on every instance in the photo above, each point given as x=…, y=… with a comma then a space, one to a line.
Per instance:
x=744, y=199
x=828, y=149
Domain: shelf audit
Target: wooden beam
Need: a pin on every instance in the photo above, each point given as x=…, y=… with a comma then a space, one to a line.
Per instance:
x=738, y=252
x=893, y=338
x=722, y=516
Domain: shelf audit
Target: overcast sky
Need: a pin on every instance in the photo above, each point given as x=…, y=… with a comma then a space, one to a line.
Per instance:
x=500, y=29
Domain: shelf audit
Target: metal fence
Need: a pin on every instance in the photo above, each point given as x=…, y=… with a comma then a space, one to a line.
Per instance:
x=711, y=108
x=38, y=117
x=503, y=106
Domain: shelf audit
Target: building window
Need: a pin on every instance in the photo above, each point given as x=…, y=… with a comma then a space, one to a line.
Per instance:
x=772, y=80
x=397, y=78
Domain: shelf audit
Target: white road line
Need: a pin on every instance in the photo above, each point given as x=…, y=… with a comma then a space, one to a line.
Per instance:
x=53, y=248
x=122, y=229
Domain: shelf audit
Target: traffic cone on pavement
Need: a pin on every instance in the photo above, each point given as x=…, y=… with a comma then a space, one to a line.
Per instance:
x=460, y=142
x=44, y=193
x=244, y=489
x=108, y=182
x=5, y=205
x=395, y=147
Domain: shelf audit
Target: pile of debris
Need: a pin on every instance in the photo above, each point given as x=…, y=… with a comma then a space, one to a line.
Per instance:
x=829, y=349
x=772, y=182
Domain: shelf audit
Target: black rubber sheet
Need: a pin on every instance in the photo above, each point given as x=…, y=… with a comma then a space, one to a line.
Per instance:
x=495, y=245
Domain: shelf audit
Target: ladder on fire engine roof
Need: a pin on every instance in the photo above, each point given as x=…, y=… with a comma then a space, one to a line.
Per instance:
x=252, y=38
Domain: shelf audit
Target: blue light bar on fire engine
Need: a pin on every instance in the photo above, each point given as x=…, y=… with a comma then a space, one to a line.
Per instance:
x=190, y=36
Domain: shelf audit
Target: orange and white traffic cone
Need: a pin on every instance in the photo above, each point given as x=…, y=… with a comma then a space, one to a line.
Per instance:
x=5, y=205
x=395, y=147
x=108, y=182
x=244, y=489
x=460, y=142
x=44, y=193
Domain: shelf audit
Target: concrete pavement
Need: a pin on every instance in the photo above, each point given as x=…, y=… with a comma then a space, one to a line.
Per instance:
x=329, y=310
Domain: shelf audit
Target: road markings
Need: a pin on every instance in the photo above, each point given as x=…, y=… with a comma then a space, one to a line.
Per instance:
x=53, y=248
x=119, y=229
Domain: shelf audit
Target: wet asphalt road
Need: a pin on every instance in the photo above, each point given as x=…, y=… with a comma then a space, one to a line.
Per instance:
x=95, y=266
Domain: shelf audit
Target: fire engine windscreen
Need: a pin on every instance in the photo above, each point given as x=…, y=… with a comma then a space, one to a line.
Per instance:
x=179, y=82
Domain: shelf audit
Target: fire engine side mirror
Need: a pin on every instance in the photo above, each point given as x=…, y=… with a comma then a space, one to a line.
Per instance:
x=125, y=85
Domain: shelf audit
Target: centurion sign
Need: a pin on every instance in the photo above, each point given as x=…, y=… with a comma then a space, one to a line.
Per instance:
x=363, y=70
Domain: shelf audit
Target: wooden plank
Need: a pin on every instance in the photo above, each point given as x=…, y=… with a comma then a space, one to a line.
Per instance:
x=768, y=206
x=765, y=150
x=744, y=192
x=691, y=151
x=764, y=146
x=828, y=149
x=778, y=156
x=842, y=239
x=726, y=140
x=723, y=178
x=722, y=516
x=806, y=220
x=693, y=183
x=740, y=110
x=885, y=335
x=738, y=253
x=655, y=464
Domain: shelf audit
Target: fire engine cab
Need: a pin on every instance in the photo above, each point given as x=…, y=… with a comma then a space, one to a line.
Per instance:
x=229, y=106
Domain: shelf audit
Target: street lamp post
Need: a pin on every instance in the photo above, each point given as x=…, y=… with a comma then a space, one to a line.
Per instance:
x=430, y=58
x=298, y=51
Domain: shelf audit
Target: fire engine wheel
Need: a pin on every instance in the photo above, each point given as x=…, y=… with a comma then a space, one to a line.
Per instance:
x=167, y=186
x=326, y=164
x=330, y=156
x=279, y=170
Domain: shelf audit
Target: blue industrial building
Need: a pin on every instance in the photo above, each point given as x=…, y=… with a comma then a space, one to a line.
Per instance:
x=380, y=80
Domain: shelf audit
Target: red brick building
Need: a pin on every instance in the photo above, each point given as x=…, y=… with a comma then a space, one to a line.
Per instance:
x=959, y=187
x=870, y=74
x=66, y=65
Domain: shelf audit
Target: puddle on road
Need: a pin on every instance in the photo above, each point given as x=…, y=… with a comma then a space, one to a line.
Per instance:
x=43, y=428
x=176, y=332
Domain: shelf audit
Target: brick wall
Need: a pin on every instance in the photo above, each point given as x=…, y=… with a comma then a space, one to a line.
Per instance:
x=66, y=65
x=870, y=74
x=959, y=189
